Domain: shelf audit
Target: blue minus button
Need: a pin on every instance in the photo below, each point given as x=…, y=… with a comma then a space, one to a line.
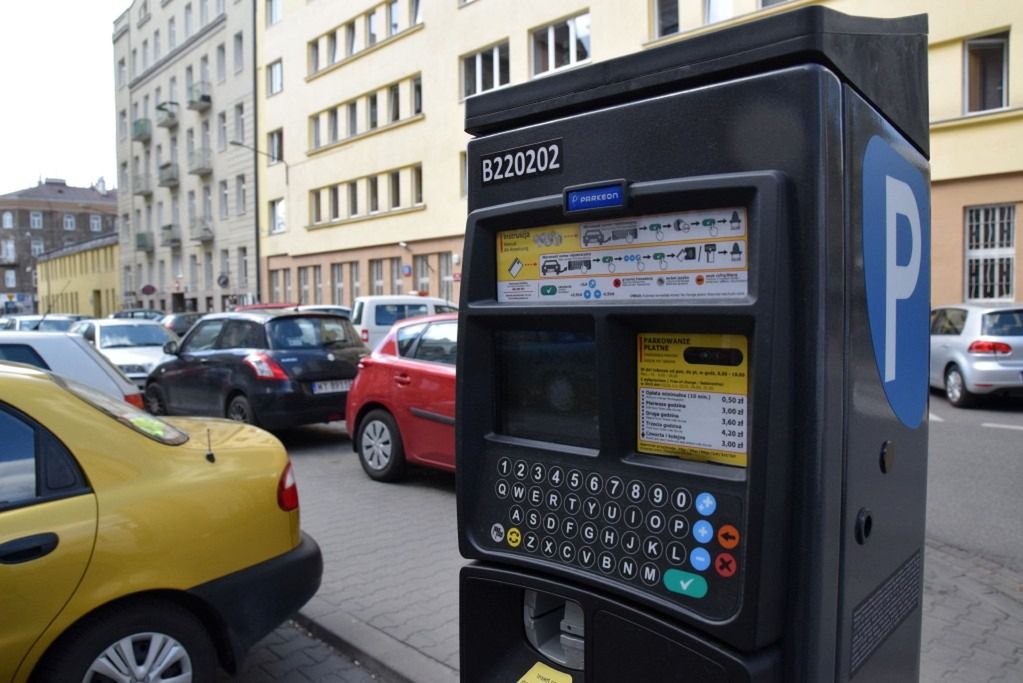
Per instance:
x=684, y=583
x=595, y=198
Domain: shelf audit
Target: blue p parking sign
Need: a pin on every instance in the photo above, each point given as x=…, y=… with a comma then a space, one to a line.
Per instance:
x=896, y=264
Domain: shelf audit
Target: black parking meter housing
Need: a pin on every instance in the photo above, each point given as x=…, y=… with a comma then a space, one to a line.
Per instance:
x=694, y=290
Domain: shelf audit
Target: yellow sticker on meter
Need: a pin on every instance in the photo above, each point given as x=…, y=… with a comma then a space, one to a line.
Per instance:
x=541, y=673
x=693, y=396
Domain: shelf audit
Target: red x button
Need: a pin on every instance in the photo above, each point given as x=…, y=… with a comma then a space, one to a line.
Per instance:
x=725, y=565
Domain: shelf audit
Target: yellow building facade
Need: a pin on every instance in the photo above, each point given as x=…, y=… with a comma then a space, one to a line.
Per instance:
x=81, y=278
x=360, y=109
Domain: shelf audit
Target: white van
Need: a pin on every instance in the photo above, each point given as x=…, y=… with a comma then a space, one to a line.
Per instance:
x=373, y=316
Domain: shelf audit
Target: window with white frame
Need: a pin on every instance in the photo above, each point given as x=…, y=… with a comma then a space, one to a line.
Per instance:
x=561, y=44
x=395, y=189
x=717, y=10
x=224, y=208
x=374, y=194
x=239, y=122
x=353, y=198
x=7, y=251
x=172, y=34
x=95, y=223
x=334, y=198
x=69, y=221
x=355, y=278
x=376, y=276
x=243, y=266
x=276, y=216
x=275, y=77
x=35, y=220
x=273, y=11
x=222, y=131
x=415, y=12
x=485, y=70
x=422, y=268
x=417, y=185
x=275, y=145
x=239, y=52
x=122, y=73
x=371, y=111
x=316, y=206
x=392, y=17
x=239, y=195
x=394, y=102
x=37, y=247
x=444, y=274
x=666, y=13
x=188, y=20
x=990, y=252
x=221, y=63
x=337, y=283
x=275, y=286
x=303, y=285
x=351, y=43
x=986, y=73
x=397, y=279
x=371, y=29
x=417, y=95
x=10, y=279
x=8, y=220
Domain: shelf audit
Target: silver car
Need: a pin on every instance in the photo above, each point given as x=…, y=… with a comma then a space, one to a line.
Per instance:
x=976, y=350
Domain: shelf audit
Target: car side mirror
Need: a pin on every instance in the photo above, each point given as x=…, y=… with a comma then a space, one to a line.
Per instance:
x=171, y=348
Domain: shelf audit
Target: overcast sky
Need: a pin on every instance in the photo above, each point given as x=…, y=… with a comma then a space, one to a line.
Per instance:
x=57, y=111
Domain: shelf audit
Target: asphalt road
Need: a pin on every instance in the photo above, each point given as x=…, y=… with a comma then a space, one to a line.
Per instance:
x=975, y=478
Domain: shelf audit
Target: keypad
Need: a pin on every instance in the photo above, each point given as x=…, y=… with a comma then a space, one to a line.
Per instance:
x=681, y=543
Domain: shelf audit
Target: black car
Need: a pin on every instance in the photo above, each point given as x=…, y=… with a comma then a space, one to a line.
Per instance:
x=270, y=368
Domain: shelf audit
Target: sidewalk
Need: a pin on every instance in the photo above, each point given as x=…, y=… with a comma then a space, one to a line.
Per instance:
x=391, y=562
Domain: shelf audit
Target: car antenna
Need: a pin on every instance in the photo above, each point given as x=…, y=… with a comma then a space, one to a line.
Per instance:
x=49, y=306
x=209, y=448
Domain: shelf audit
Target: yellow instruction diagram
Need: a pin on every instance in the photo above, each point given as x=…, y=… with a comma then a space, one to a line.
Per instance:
x=541, y=673
x=693, y=396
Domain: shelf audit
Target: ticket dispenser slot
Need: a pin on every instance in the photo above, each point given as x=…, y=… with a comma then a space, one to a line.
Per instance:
x=672, y=367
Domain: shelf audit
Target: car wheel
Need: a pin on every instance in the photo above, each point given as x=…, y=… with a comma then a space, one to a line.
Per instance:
x=156, y=403
x=145, y=641
x=955, y=388
x=238, y=408
x=380, y=449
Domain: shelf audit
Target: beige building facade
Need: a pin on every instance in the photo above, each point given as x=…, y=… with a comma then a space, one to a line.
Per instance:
x=360, y=110
x=185, y=121
x=81, y=278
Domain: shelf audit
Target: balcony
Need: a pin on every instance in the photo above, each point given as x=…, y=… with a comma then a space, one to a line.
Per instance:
x=141, y=130
x=199, y=96
x=144, y=241
x=201, y=229
x=142, y=185
x=200, y=161
x=167, y=114
x=169, y=174
x=170, y=235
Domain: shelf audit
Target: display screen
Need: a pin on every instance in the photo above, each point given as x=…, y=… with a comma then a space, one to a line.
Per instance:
x=547, y=386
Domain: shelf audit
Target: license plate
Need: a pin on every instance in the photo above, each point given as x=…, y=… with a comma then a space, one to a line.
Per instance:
x=334, y=386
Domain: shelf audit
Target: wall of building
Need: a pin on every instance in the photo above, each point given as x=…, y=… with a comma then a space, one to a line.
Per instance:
x=81, y=279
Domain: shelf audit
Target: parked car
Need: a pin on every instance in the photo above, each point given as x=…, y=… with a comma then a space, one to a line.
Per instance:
x=271, y=368
x=143, y=313
x=51, y=322
x=402, y=406
x=976, y=350
x=179, y=323
x=373, y=316
x=327, y=308
x=135, y=346
x=70, y=356
x=160, y=548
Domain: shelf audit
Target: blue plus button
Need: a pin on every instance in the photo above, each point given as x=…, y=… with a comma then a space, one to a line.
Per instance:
x=703, y=531
x=700, y=559
x=706, y=504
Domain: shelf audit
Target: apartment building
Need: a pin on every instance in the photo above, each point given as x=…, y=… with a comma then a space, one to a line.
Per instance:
x=360, y=114
x=185, y=135
x=81, y=278
x=39, y=219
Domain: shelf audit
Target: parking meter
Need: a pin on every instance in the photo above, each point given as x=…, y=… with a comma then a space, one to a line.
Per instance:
x=692, y=371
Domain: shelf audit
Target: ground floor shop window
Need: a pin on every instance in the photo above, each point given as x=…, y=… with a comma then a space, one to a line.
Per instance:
x=990, y=252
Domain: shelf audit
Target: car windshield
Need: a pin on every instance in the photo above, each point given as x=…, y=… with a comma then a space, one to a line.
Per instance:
x=300, y=332
x=145, y=424
x=1004, y=324
x=52, y=325
x=118, y=336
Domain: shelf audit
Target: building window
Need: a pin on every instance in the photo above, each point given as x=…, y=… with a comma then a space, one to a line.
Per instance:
x=122, y=73
x=990, y=252
x=395, y=181
x=35, y=220
x=188, y=20
x=463, y=166
x=314, y=131
x=317, y=285
x=353, y=198
x=239, y=53
x=224, y=209
x=394, y=102
x=7, y=251
x=95, y=223
x=987, y=66
x=561, y=45
x=333, y=130
x=221, y=62
x=355, y=278
x=667, y=17
x=353, y=122
x=314, y=56
x=122, y=125
x=717, y=10
x=275, y=145
x=275, y=286
x=243, y=266
x=417, y=95
x=422, y=268
x=239, y=195
x=332, y=55
x=371, y=111
x=303, y=285
x=275, y=77
x=37, y=247
x=417, y=185
x=204, y=12
x=371, y=29
x=273, y=12
x=376, y=276
x=397, y=281
x=392, y=17
x=374, y=194
x=337, y=284
x=239, y=122
x=485, y=70
x=351, y=46
x=172, y=34
x=69, y=221
x=156, y=46
x=9, y=220
x=415, y=12
x=447, y=280
x=276, y=216
x=222, y=131
x=10, y=279
x=316, y=206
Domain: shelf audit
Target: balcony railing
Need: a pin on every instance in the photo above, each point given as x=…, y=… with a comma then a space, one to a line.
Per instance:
x=200, y=161
x=169, y=174
x=142, y=185
x=199, y=96
x=141, y=130
x=201, y=229
x=144, y=241
x=167, y=114
x=170, y=235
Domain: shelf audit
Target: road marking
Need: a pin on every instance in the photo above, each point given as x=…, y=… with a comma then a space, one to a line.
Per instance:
x=935, y=418
x=995, y=425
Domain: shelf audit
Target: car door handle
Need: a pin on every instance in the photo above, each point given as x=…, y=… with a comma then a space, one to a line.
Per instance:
x=402, y=380
x=28, y=548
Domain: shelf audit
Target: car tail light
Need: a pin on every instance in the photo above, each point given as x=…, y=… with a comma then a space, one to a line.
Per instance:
x=992, y=347
x=287, y=490
x=135, y=400
x=365, y=335
x=264, y=366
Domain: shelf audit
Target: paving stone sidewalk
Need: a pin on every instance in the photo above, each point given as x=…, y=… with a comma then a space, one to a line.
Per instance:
x=390, y=585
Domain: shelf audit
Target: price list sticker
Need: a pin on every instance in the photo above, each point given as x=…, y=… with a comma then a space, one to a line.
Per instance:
x=693, y=393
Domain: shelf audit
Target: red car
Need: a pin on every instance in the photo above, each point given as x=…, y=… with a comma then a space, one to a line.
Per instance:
x=401, y=408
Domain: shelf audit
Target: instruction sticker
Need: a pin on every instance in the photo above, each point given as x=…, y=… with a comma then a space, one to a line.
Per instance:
x=684, y=255
x=541, y=673
x=693, y=396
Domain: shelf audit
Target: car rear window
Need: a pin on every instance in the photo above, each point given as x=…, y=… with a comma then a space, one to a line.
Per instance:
x=1003, y=324
x=388, y=314
x=22, y=353
x=53, y=325
x=145, y=424
x=311, y=332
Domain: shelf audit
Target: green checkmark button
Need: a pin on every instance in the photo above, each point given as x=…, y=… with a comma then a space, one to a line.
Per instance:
x=691, y=585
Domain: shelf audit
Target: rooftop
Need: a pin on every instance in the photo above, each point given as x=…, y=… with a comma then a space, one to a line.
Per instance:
x=57, y=189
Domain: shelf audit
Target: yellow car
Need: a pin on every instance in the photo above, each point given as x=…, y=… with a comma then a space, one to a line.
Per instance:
x=134, y=548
